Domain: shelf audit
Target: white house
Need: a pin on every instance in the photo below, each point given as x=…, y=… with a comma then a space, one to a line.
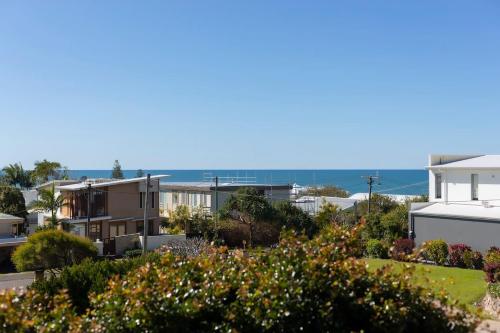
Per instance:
x=202, y=194
x=464, y=202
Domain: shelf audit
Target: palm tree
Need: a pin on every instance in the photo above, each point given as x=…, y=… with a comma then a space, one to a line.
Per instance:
x=15, y=175
x=49, y=201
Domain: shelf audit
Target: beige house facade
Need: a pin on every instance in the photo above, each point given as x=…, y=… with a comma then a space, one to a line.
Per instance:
x=116, y=207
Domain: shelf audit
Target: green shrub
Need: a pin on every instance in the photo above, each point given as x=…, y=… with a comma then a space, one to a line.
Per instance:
x=436, y=251
x=52, y=249
x=473, y=260
x=395, y=223
x=89, y=276
x=132, y=253
x=300, y=286
x=376, y=249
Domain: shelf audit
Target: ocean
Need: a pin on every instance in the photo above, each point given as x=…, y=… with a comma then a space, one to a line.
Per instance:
x=412, y=182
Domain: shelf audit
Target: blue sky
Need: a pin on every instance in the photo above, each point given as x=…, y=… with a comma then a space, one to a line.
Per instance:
x=248, y=84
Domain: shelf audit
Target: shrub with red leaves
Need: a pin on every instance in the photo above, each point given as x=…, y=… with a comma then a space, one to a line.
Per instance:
x=402, y=248
x=492, y=272
x=457, y=253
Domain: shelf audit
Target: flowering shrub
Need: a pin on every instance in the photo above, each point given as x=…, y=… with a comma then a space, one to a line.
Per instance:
x=300, y=286
x=402, y=248
x=492, y=256
x=436, y=251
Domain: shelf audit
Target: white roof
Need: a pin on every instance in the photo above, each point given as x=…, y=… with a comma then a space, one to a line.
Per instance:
x=479, y=162
x=470, y=209
x=83, y=185
x=401, y=198
x=10, y=217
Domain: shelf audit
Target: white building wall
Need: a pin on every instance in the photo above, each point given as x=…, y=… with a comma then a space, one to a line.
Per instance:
x=456, y=185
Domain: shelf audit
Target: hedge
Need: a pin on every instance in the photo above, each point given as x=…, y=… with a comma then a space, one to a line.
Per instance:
x=300, y=286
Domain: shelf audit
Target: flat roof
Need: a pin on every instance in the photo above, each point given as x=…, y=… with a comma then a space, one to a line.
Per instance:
x=306, y=202
x=471, y=209
x=96, y=183
x=208, y=186
x=478, y=162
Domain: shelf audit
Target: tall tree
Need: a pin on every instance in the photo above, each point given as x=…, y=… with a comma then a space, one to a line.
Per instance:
x=12, y=202
x=15, y=175
x=117, y=172
x=248, y=207
x=46, y=169
x=49, y=201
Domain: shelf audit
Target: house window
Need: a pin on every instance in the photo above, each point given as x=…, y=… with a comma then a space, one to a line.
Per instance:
x=474, y=185
x=95, y=231
x=142, y=198
x=438, y=185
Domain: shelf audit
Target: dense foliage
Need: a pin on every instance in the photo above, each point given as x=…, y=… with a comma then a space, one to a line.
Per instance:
x=301, y=286
x=376, y=249
x=88, y=277
x=461, y=255
x=52, y=249
x=12, y=201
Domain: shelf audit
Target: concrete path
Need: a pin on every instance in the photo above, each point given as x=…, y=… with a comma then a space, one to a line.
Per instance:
x=489, y=326
x=16, y=280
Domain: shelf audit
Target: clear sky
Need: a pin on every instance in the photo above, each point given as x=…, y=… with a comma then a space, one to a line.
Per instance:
x=248, y=84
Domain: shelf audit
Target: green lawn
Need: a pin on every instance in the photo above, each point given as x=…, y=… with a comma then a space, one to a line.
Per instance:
x=465, y=285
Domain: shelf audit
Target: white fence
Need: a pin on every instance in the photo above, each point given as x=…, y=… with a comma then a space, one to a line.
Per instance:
x=157, y=241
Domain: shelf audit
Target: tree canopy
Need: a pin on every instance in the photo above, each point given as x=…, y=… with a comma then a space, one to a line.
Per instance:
x=15, y=175
x=117, y=172
x=12, y=201
x=48, y=201
x=248, y=207
x=45, y=170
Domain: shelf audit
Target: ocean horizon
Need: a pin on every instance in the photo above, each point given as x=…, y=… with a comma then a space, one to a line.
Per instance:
x=392, y=181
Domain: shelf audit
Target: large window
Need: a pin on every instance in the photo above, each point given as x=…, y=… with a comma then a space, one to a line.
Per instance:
x=117, y=229
x=474, y=185
x=438, y=185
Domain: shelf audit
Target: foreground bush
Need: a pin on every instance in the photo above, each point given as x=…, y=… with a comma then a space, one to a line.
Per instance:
x=301, y=286
x=376, y=249
x=436, y=251
x=88, y=277
x=52, y=249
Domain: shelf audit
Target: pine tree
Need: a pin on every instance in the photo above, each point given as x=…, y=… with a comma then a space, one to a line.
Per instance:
x=140, y=173
x=117, y=172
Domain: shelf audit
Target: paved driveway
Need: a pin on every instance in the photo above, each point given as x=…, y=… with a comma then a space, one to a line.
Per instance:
x=16, y=280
